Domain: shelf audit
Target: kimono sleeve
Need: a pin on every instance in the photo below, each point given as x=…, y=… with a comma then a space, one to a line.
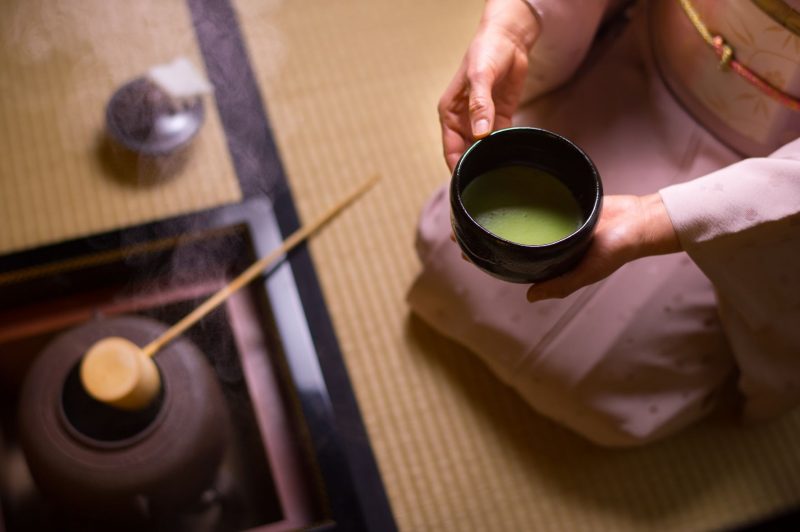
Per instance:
x=741, y=226
x=567, y=31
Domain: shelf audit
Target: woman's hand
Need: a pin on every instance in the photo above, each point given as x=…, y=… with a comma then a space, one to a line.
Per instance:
x=630, y=227
x=487, y=87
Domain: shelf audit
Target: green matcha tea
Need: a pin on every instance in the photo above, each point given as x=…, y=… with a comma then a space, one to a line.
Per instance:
x=522, y=204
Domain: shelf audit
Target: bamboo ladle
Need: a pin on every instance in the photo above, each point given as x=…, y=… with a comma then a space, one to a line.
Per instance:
x=120, y=373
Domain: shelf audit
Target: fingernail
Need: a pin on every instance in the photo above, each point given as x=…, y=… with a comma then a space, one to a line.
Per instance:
x=480, y=128
x=464, y=256
x=452, y=237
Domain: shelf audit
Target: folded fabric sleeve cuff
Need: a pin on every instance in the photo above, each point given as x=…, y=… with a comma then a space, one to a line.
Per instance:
x=567, y=31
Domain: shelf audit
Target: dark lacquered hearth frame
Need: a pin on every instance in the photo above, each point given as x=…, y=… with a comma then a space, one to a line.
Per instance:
x=352, y=483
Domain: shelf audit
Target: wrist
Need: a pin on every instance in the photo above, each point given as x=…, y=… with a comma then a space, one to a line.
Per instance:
x=515, y=18
x=657, y=234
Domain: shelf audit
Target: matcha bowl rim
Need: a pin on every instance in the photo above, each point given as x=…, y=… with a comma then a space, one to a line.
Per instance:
x=544, y=150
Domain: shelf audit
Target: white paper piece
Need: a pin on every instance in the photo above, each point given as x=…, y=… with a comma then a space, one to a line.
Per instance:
x=179, y=79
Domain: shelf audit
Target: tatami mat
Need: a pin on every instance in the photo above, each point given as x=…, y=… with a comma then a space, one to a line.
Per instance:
x=351, y=88
x=60, y=61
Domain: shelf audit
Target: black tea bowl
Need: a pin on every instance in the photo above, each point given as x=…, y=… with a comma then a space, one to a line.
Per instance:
x=544, y=150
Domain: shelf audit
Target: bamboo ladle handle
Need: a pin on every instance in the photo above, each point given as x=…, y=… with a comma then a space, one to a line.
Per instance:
x=118, y=372
x=255, y=269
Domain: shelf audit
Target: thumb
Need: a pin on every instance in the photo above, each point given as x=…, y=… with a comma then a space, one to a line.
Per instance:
x=481, y=106
x=556, y=288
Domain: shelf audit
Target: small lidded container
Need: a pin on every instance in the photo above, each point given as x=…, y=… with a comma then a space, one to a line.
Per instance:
x=160, y=112
x=524, y=204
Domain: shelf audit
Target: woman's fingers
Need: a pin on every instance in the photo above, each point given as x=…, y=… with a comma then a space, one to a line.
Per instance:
x=453, y=144
x=556, y=288
x=485, y=91
x=481, y=105
x=454, y=118
x=465, y=114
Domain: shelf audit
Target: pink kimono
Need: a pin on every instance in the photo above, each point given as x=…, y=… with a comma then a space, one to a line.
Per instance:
x=647, y=351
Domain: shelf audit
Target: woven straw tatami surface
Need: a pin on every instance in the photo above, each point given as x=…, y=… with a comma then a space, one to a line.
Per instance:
x=351, y=87
x=60, y=62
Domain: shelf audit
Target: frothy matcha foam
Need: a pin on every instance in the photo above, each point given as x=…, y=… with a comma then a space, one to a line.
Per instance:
x=522, y=204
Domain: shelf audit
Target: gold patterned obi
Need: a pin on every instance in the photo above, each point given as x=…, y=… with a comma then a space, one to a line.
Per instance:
x=735, y=66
